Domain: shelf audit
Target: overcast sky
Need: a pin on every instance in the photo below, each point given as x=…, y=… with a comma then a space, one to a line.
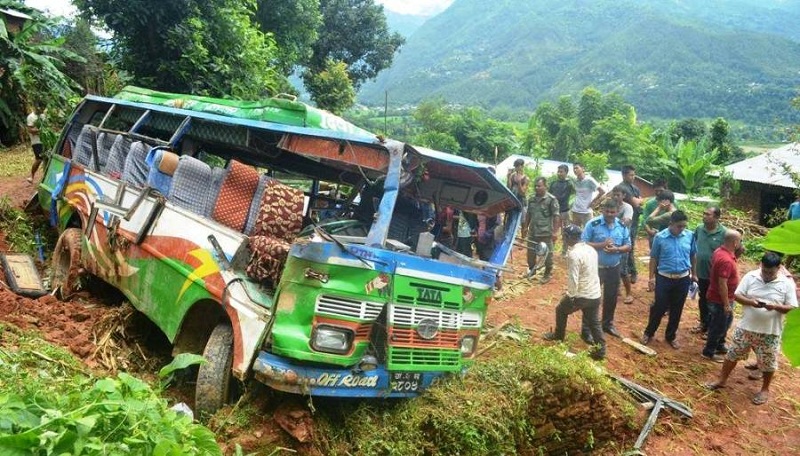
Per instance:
x=418, y=7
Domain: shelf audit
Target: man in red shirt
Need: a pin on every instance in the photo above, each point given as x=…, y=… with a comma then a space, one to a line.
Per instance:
x=724, y=278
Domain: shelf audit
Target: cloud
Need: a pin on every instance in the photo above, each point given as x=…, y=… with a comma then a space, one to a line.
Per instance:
x=416, y=7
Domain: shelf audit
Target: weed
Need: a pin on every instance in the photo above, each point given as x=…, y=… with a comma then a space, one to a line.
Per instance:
x=49, y=406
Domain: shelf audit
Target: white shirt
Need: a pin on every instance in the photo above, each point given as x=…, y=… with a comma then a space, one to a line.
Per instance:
x=31, y=122
x=780, y=291
x=583, y=280
x=625, y=213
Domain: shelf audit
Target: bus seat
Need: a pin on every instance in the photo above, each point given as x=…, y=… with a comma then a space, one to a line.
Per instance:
x=192, y=186
x=83, y=148
x=236, y=195
x=279, y=220
x=162, y=165
x=116, y=158
x=255, y=205
x=104, y=143
x=136, y=168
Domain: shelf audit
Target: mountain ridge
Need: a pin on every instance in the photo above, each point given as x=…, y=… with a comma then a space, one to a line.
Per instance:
x=516, y=54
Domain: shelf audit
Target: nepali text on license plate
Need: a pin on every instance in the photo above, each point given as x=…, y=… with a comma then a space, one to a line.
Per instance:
x=404, y=382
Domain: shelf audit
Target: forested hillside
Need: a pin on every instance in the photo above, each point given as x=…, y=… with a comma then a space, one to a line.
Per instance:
x=668, y=58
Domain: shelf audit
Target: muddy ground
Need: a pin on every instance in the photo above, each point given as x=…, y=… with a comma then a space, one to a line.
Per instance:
x=725, y=422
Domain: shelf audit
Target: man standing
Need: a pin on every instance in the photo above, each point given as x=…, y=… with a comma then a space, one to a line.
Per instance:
x=659, y=185
x=672, y=266
x=540, y=226
x=724, y=278
x=606, y=234
x=517, y=180
x=658, y=219
x=562, y=188
x=32, y=121
x=634, y=198
x=583, y=291
x=708, y=236
x=620, y=193
x=584, y=189
x=766, y=296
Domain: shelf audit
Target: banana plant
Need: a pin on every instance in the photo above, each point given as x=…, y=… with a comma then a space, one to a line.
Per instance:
x=691, y=161
x=785, y=238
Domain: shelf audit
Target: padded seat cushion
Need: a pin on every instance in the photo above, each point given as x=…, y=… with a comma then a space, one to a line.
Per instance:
x=116, y=158
x=86, y=142
x=104, y=143
x=193, y=186
x=136, y=168
x=281, y=213
x=269, y=256
x=236, y=195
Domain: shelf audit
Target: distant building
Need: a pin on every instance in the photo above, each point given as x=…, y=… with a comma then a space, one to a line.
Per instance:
x=14, y=19
x=764, y=183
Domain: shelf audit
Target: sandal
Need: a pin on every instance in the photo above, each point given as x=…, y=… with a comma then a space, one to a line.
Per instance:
x=760, y=398
x=713, y=386
x=755, y=375
x=628, y=300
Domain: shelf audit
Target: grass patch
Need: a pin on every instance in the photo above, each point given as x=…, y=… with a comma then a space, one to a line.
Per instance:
x=16, y=160
x=527, y=399
x=50, y=405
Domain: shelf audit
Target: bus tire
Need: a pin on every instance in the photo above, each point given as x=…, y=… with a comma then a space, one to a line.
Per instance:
x=66, y=268
x=214, y=378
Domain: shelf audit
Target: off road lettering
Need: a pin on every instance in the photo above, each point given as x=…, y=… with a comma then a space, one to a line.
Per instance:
x=349, y=381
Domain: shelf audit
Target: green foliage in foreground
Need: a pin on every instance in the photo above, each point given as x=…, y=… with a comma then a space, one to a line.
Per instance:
x=49, y=406
x=494, y=409
x=18, y=228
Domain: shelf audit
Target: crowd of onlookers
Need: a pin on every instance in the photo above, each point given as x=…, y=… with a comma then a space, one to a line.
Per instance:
x=701, y=262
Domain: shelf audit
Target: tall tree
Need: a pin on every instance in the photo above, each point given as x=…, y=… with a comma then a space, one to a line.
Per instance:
x=205, y=47
x=590, y=109
x=31, y=69
x=331, y=88
x=294, y=24
x=353, y=32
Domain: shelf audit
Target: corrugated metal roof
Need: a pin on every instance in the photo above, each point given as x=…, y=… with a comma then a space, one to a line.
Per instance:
x=15, y=13
x=767, y=167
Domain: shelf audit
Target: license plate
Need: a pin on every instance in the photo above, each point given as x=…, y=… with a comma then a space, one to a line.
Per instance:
x=405, y=382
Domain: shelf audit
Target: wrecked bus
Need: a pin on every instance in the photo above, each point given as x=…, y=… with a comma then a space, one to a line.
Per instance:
x=276, y=239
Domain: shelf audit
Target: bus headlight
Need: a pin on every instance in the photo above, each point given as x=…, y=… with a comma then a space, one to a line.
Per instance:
x=467, y=345
x=331, y=339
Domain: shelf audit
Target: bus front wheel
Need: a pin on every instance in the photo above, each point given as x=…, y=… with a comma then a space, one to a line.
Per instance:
x=214, y=378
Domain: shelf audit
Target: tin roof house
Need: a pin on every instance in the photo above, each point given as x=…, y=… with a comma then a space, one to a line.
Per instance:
x=765, y=181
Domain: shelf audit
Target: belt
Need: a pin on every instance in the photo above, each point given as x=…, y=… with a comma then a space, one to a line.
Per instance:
x=608, y=267
x=678, y=275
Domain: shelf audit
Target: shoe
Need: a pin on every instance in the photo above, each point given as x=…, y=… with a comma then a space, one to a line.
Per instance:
x=545, y=279
x=628, y=300
x=531, y=272
x=29, y=180
x=645, y=339
x=698, y=330
x=634, y=278
x=674, y=344
x=755, y=375
x=612, y=331
x=587, y=339
x=597, y=355
x=715, y=358
x=551, y=336
x=721, y=351
x=752, y=366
